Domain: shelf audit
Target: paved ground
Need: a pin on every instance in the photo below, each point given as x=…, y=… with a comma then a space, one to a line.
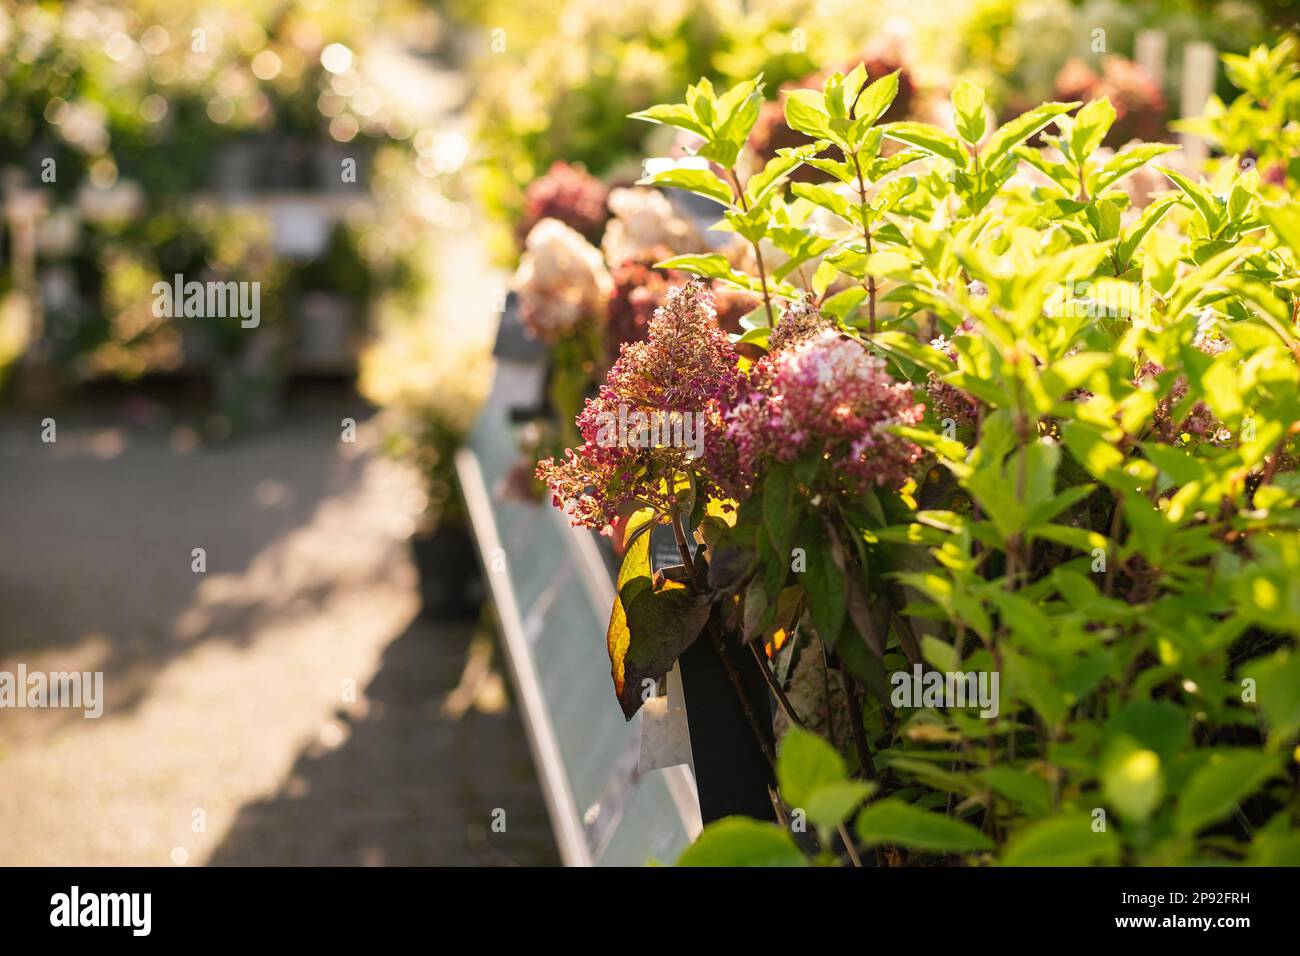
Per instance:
x=287, y=706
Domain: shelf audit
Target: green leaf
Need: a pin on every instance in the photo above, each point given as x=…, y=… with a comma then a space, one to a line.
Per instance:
x=738, y=108
x=805, y=113
x=673, y=114
x=740, y=841
x=1275, y=847
x=929, y=138
x=1158, y=725
x=1060, y=175
x=1091, y=124
x=1285, y=221
x=893, y=821
x=1028, y=790
x=876, y=99
x=649, y=627
x=1132, y=780
x=1016, y=131
x=1126, y=162
x=1132, y=236
x=843, y=304
x=774, y=174
x=823, y=581
x=778, y=511
x=732, y=557
x=1199, y=195
x=805, y=763
x=1226, y=778
x=1062, y=841
x=633, y=576
x=702, y=182
x=924, y=355
x=968, y=105
x=828, y=805
x=712, y=265
x=1277, y=681
x=940, y=653
x=759, y=335
x=828, y=197
x=662, y=622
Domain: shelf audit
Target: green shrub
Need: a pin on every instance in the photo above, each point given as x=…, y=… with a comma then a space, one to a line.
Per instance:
x=1096, y=506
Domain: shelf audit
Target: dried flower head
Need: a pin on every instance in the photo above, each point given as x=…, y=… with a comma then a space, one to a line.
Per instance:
x=948, y=401
x=801, y=322
x=1199, y=421
x=653, y=419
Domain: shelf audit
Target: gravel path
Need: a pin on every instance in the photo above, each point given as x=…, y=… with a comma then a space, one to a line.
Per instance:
x=287, y=705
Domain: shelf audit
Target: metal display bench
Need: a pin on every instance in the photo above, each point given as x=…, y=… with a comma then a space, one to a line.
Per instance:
x=553, y=591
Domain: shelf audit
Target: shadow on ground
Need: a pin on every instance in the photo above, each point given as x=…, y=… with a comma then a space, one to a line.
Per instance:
x=222, y=688
x=409, y=786
x=100, y=527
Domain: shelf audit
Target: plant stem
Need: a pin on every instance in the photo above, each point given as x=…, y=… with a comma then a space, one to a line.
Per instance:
x=1108, y=585
x=758, y=251
x=775, y=687
x=859, y=735
x=790, y=714
x=1273, y=461
x=848, y=845
x=866, y=238
x=720, y=647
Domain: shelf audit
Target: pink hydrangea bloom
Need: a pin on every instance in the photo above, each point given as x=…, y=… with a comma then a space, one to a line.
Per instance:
x=569, y=194
x=828, y=397
x=653, y=418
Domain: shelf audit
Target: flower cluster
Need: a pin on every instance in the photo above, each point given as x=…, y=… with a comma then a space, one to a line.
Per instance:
x=570, y=195
x=1199, y=421
x=801, y=322
x=645, y=219
x=1138, y=100
x=561, y=281
x=827, y=397
x=639, y=289
x=675, y=377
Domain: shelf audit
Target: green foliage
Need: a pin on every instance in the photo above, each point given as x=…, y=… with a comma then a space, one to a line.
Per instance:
x=1261, y=125
x=1108, y=510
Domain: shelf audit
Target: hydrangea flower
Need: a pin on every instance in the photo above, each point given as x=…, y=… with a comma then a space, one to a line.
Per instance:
x=570, y=195
x=826, y=396
x=801, y=322
x=561, y=281
x=652, y=419
x=639, y=290
x=644, y=219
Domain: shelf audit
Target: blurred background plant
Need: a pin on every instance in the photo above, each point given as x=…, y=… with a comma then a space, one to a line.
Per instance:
x=258, y=141
x=554, y=83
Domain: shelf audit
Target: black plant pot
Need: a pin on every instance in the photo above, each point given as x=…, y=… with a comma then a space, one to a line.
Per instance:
x=731, y=772
x=451, y=586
